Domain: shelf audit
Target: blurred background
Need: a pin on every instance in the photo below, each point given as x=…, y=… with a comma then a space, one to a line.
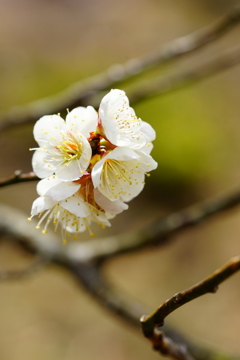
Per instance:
x=47, y=45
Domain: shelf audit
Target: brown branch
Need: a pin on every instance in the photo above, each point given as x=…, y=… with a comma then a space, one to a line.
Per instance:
x=18, y=177
x=167, y=347
x=157, y=233
x=189, y=76
x=208, y=285
x=80, y=93
x=121, y=305
x=22, y=273
x=168, y=342
x=90, y=277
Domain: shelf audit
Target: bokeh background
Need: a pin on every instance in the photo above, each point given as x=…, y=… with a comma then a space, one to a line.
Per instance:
x=45, y=45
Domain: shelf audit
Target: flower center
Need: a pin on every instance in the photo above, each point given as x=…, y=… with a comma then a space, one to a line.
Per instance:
x=115, y=176
x=70, y=149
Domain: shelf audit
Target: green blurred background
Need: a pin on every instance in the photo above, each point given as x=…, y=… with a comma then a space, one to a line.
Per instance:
x=45, y=46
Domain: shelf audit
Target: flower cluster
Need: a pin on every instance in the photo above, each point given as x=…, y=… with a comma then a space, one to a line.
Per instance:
x=90, y=164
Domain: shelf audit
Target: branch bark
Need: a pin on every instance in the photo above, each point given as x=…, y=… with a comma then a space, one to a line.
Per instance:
x=167, y=347
x=88, y=274
x=208, y=285
x=29, y=270
x=80, y=93
x=191, y=75
x=18, y=177
x=157, y=233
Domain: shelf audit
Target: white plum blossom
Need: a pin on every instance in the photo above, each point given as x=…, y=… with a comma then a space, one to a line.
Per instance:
x=121, y=173
x=63, y=146
x=73, y=205
x=90, y=164
x=119, y=124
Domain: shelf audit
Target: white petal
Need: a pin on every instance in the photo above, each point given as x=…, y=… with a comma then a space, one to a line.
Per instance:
x=48, y=128
x=122, y=154
x=41, y=204
x=81, y=227
x=45, y=184
x=41, y=167
x=148, y=132
x=96, y=172
x=119, y=153
x=76, y=206
x=74, y=169
x=147, y=161
x=120, y=175
x=119, y=121
x=100, y=218
x=69, y=172
x=82, y=120
x=134, y=189
x=114, y=207
x=62, y=191
x=146, y=149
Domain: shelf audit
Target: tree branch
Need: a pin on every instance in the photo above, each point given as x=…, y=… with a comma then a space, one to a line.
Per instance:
x=18, y=177
x=90, y=277
x=157, y=233
x=167, y=347
x=27, y=271
x=191, y=75
x=94, y=283
x=208, y=285
x=168, y=342
x=80, y=93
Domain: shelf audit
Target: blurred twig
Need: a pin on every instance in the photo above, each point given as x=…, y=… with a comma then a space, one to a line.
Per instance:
x=171, y=342
x=22, y=273
x=157, y=233
x=89, y=275
x=208, y=285
x=18, y=177
x=80, y=93
x=164, y=84
x=118, y=303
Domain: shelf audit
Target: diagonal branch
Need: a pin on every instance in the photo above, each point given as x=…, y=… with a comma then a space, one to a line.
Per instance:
x=27, y=271
x=80, y=93
x=191, y=75
x=168, y=342
x=124, y=307
x=208, y=285
x=18, y=177
x=91, y=278
x=157, y=233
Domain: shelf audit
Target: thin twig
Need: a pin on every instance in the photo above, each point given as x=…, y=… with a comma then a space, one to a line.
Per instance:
x=18, y=177
x=169, y=342
x=80, y=93
x=165, y=84
x=208, y=285
x=22, y=273
x=122, y=306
